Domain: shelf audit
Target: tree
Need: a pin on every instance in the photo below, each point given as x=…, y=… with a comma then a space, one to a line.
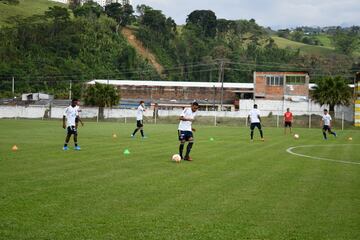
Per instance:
x=346, y=41
x=332, y=91
x=204, y=20
x=123, y=14
x=89, y=10
x=101, y=95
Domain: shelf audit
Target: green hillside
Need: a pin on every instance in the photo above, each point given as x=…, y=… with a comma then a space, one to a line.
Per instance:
x=25, y=8
x=304, y=48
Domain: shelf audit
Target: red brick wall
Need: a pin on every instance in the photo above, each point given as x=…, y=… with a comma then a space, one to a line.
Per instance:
x=169, y=93
x=277, y=92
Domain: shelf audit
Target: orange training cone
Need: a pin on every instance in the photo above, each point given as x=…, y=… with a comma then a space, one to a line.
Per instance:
x=14, y=148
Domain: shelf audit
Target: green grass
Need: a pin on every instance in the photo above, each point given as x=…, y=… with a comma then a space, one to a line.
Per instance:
x=304, y=48
x=25, y=8
x=234, y=188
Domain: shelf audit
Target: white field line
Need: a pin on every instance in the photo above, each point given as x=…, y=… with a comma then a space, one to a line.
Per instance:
x=289, y=150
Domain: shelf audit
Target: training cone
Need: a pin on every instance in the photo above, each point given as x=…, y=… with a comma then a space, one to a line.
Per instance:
x=114, y=135
x=211, y=139
x=126, y=152
x=14, y=148
x=350, y=138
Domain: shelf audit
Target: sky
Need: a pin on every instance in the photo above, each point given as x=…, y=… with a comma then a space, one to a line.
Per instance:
x=268, y=13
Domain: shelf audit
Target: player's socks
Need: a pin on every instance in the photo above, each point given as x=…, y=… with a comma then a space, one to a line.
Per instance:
x=324, y=135
x=333, y=133
x=261, y=133
x=188, y=149
x=181, y=149
x=252, y=135
x=142, y=133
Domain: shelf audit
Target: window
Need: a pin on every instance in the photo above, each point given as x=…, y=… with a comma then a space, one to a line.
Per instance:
x=293, y=80
x=274, y=80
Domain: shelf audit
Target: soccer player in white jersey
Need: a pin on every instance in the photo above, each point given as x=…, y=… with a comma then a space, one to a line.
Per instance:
x=139, y=120
x=70, y=114
x=326, y=122
x=185, y=130
x=255, y=121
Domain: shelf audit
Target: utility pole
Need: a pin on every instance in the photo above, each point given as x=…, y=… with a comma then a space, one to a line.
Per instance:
x=221, y=79
x=13, y=86
x=70, y=90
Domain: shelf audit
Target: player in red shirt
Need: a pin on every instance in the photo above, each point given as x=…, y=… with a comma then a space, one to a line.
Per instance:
x=288, y=118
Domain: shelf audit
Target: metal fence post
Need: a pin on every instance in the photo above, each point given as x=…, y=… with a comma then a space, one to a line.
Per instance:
x=277, y=120
x=309, y=120
x=342, y=121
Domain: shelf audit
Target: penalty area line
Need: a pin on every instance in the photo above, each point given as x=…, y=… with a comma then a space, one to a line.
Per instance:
x=290, y=150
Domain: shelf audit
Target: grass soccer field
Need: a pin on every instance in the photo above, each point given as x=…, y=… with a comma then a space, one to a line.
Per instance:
x=234, y=188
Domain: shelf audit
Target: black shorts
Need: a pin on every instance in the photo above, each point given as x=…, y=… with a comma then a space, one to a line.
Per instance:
x=253, y=125
x=185, y=135
x=327, y=128
x=71, y=130
x=287, y=124
x=139, y=123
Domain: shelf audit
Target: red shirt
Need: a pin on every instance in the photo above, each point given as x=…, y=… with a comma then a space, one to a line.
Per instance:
x=288, y=117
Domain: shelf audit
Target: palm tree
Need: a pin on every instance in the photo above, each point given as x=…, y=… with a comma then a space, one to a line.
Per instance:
x=332, y=91
x=101, y=95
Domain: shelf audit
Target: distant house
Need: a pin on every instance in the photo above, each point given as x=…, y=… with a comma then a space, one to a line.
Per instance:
x=293, y=86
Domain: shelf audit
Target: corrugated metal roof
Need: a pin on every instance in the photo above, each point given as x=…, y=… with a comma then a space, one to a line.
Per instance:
x=172, y=84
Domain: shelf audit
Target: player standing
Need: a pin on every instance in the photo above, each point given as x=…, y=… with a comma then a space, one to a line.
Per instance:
x=288, y=118
x=255, y=121
x=326, y=122
x=139, y=119
x=71, y=114
x=185, y=130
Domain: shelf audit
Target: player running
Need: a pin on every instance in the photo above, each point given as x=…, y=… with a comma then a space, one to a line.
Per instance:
x=326, y=123
x=288, y=118
x=71, y=114
x=185, y=130
x=255, y=121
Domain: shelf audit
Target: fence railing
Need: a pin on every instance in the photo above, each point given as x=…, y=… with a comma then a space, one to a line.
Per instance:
x=270, y=118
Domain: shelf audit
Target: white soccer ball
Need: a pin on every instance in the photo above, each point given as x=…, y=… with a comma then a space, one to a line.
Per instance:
x=296, y=136
x=176, y=158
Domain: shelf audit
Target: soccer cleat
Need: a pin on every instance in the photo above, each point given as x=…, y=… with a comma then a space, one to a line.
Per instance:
x=262, y=139
x=65, y=148
x=77, y=148
x=335, y=134
x=144, y=137
x=188, y=158
x=132, y=136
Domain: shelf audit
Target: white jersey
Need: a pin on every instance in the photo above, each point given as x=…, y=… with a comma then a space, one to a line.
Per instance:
x=77, y=107
x=327, y=119
x=187, y=114
x=70, y=113
x=139, y=113
x=254, y=115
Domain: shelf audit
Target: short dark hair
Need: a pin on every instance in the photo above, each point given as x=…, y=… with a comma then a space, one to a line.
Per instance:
x=195, y=104
x=325, y=110
x=141, y=101
x=255, y=105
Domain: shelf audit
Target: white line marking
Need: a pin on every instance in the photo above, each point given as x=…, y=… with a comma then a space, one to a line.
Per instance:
x=289, y=150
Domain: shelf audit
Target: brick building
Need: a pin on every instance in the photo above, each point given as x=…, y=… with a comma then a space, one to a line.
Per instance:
x=174, y=93
x=292, y=86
